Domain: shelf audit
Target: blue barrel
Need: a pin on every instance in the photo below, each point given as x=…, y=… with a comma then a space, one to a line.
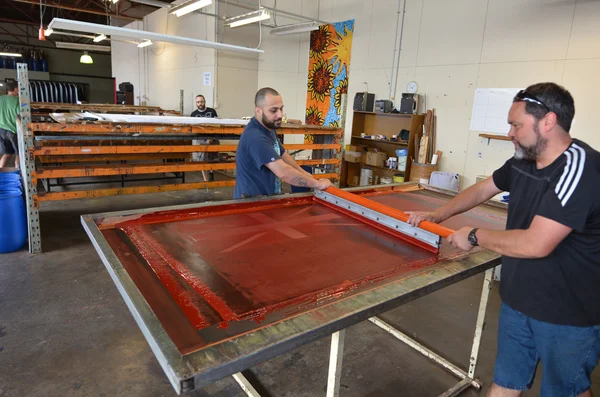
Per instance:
x=13, y=220
x=13, y=216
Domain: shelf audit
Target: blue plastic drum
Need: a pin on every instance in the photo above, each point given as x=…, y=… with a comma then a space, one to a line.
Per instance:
x=13, y=220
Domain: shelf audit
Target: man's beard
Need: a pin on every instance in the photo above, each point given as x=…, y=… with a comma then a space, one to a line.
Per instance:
x=272, y=125
x=531, y=153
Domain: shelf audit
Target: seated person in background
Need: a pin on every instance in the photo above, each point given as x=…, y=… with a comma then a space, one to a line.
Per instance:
x=204, y=111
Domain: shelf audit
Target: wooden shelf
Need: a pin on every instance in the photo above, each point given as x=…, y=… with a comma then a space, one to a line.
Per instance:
x=402, y=143
x=386, y=114
x=381, y=168
x=496, y=137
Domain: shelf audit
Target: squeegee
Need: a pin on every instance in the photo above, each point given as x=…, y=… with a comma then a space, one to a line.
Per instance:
x=427, y=235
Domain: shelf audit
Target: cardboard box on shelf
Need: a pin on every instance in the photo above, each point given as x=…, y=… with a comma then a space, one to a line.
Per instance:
x=376, y=159
x=353, y=156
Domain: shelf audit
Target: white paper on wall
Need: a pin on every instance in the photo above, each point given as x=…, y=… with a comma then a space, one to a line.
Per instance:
x=207, y=78
x=490, y=109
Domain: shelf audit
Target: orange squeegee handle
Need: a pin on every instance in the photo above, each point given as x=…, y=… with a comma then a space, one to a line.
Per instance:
x=391, y=212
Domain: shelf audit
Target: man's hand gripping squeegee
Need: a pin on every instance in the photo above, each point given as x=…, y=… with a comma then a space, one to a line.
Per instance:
x=427, y=235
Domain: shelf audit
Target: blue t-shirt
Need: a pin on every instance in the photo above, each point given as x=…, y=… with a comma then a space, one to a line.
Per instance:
x=258, y=146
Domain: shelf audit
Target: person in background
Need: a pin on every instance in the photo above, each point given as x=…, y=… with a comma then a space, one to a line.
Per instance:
x=550, y=280
x=9, y=109
x=203, y=111
x=261, y=160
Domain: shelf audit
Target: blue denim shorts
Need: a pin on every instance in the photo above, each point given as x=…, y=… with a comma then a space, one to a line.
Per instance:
x=568, y=354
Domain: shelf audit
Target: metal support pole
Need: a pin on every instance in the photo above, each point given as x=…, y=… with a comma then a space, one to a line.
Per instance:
x=335, y=363
x=181, y=101
x=245, y=385
x=27, y=161
x=485, y=294
x=343, y=112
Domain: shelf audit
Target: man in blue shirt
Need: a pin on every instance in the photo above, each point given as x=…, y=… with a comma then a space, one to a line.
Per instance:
x=261, y=160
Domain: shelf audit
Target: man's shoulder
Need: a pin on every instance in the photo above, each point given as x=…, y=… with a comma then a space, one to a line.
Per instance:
x=9, y=99
x=195, y=113
x=586, y=152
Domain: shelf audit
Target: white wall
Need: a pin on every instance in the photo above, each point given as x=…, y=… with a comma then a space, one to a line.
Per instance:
x=451, y=48
x=160, y=71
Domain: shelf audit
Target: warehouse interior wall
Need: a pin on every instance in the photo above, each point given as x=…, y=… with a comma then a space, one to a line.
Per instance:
x=449, y=48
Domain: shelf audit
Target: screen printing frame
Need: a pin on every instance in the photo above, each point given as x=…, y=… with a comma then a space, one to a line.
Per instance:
x=198, y=369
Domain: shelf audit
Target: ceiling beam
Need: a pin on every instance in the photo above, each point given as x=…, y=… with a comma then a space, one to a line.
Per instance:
x=83, y=10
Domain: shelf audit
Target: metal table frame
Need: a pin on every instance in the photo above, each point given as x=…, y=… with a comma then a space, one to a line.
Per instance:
x=467, y=378
x=195, y=370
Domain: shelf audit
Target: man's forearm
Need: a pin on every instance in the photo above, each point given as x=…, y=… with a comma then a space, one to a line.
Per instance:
x=514, y=243
x=300, y=179
x=289, y=160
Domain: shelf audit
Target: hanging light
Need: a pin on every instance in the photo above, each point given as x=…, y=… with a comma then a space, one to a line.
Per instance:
x=190, y=6
x=245, y=19
x=48, y=32
x=86, y=58
x=145, y=43
x=99, y=38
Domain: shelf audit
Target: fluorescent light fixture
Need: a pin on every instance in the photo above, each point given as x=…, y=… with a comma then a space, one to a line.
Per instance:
x=10, y=54
x=85, y=47
x=145, y=43
x=115, y=1
x=86, y=58
x=189, y=6
x=245, y=19
x=48, y=32
x=295, y=28
x=135, y=34
x=99, y=38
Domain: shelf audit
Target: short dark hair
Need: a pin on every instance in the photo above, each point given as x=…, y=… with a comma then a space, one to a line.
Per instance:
x=201, y=96
x=11, y=85
x=262, y=93
x=556, y=99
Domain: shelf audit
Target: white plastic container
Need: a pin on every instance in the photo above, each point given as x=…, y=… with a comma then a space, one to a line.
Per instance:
x=402, y=156
x=366, y=177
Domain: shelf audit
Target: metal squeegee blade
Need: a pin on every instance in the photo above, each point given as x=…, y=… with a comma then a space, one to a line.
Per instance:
x=412, y=232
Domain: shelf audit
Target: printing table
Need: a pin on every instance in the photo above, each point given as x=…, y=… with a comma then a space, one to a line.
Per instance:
x=219, y=287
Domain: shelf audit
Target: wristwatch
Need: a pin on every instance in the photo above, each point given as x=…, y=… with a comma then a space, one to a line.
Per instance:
x=473, y=238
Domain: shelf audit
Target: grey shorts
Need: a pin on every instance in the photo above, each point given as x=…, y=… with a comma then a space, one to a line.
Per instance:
x=8, y=142
x=205, y=156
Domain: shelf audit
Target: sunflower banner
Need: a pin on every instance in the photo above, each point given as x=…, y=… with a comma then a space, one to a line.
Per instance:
x=330, y=48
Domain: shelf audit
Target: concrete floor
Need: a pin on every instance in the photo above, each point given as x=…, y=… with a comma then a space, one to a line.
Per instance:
x=65, y=331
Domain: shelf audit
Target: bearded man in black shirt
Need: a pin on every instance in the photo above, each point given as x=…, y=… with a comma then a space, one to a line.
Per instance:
x=550, y=282
x=204, y=111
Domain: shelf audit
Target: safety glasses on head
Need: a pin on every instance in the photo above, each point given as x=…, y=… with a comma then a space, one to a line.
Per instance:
x=524, y=96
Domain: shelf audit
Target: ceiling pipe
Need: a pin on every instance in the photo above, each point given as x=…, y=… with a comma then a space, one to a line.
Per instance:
x=83, y=10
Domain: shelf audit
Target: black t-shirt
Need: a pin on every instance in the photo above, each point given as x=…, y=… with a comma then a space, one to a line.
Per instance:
x=207, y=112
x=564, y=287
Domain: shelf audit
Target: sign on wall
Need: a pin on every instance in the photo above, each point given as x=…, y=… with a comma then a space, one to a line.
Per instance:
x=490, y=109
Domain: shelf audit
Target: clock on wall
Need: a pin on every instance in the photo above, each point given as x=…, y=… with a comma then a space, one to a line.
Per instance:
x=412, y=87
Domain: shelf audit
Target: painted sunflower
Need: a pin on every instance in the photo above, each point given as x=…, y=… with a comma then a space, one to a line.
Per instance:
x=320, y=80
x=314, y=116
x=320, y=40
x=341, y=89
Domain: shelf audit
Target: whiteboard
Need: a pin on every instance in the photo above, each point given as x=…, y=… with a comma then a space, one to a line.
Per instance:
x=490, y=109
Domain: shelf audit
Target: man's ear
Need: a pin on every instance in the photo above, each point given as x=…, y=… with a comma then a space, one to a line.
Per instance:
x=550, y=120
